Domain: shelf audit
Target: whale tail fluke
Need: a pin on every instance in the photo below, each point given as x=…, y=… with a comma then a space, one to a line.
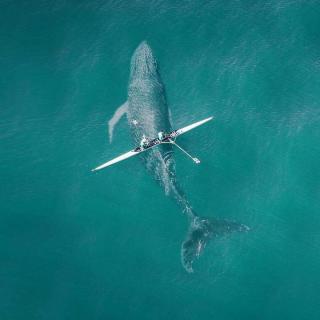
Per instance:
x=200, y=232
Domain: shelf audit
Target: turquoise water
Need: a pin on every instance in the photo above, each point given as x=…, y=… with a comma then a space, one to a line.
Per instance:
x=82, y=245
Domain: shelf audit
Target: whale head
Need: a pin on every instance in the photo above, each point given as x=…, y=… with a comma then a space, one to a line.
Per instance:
x=143, y=62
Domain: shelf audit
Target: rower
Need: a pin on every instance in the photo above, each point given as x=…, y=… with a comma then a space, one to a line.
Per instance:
x=144, y=142
x=160, y=135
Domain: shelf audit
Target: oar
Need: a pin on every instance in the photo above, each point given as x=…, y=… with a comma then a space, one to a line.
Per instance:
x=194, y=159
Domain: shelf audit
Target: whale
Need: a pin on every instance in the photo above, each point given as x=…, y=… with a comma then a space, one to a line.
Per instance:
x=147, y=114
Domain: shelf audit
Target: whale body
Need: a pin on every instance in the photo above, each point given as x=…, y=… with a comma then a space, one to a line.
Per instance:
x=147, y=113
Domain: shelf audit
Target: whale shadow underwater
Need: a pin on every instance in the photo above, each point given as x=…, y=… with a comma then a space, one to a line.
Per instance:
x=147, y=114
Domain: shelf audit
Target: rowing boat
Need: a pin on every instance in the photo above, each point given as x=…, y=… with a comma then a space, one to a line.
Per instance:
x=168, y=138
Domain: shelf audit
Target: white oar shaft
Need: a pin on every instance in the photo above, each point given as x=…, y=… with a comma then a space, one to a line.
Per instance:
x=196, y=160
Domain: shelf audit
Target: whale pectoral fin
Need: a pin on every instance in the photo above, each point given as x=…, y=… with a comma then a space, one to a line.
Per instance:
x=123, y=109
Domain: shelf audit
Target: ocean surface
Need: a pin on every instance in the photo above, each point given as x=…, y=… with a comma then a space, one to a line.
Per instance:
x=106, y=245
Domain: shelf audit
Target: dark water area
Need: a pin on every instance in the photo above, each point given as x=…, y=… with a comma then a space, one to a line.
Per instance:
x=106, y=245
